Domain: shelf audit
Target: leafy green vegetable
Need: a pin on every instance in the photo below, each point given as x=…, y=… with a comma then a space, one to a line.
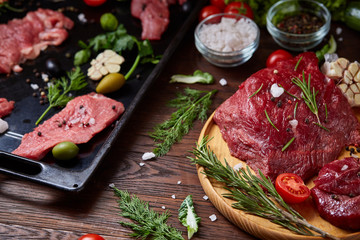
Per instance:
x=254, y=195
x=197, y=77
x=58, y=92
x=147, y=223
x=328, y=48
x=190, y=106
x=188, y=217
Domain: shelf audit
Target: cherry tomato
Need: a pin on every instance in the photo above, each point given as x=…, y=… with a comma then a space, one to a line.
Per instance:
x=291, y=188
x=277, y=56
x=218, y=3
x=94, y=3
x=91, y=236
x=239, y=8
x=208, y=11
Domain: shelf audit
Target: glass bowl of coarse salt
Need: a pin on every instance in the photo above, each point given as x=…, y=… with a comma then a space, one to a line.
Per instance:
x=227, y=40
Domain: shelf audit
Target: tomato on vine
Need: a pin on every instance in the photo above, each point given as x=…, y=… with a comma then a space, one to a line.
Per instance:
x=94, y=3
x=276, y=56
x=208, y=11
x=218, y=3
x=91, y=236
x=239, y=8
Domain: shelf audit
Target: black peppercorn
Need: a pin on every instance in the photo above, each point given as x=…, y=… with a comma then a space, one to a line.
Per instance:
x=279, y=103
x=39, y=133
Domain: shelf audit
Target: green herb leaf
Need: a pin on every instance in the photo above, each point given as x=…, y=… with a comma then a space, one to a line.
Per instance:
x=288, y=144
x=58, y=92
x=82, y=57
x=191, y=106
x=256, y=92
x=148, y=223
x=188, y=217
x=197, y=77
x=268, y=118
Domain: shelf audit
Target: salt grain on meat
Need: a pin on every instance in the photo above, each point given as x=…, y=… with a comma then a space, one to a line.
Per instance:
x=78, y=125
x=228, y=35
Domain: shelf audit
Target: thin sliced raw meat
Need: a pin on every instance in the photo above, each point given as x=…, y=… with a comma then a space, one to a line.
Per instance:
x=6, y=107
x=78, y=122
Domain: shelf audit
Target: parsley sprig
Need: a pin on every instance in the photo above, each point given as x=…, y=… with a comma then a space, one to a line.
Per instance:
x=254, y=195
x=58, y=92
x=191, y=106
x=147, y=224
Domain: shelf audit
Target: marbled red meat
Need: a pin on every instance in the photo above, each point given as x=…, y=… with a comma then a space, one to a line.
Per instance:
x=251, y=137
x=6, y=107
x=78, y=122
x=22, y=39
x=337, y=193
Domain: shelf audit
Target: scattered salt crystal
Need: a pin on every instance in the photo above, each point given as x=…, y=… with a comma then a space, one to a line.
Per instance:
x=163, y=207
x=228, y=35
x=338, y=30
x=92, y=121
x=340, y=39
x=34, y=86
x=3, y=126
x=179, y=182
x=45, y=77
x=82, y=18
x=294, y=123
x=344, y=167
x=213, y=217
x=223, y=82
x=111, y=185
x=330, y=57
x=276, y=91
x=141, y=164
x=205, y=197
x=276, y=71
x=238, y=166
x=173, y=196
x=148, y=155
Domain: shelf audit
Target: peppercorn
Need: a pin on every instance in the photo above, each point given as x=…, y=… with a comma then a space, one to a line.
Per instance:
x=335, y=197
x=39, y=133
x=113, y=107
x=279, y=103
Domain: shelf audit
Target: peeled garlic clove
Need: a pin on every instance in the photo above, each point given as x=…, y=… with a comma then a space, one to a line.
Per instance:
x=116, y=59
x=109, y=53
x=96, y=76
x=104, y=70
x=112, y=68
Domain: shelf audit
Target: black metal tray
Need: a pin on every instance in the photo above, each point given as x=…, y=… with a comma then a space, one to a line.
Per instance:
x=73, y=176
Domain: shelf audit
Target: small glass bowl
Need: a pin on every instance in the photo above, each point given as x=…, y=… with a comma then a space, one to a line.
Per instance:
x=292, y=41
x=226, y=58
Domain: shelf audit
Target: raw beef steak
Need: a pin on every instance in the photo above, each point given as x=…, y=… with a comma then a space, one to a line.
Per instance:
x=337, y=193
x=251, y=137
x=78, y=122
x=6, y=107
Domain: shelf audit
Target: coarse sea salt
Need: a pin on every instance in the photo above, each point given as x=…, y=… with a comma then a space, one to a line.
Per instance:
x=148, y=155
x=213, y=217
x=205, y=197
x=276, y=91
x=238, y=166
x=228, y=35
x=3, y=126
x=223, y=82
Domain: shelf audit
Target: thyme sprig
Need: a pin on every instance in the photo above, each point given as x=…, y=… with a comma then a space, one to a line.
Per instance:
x=58, y=92
x=190, y=106
x=147, y=223
x=248, y=191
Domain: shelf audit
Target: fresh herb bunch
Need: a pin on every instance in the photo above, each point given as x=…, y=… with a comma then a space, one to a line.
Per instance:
x=148, y=223
x=188, y=216
x=59, y=90
x=248, y=192
x=191, y=105
x=118, y=41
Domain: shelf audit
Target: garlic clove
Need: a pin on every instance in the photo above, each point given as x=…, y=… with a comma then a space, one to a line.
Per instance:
x=112, y=68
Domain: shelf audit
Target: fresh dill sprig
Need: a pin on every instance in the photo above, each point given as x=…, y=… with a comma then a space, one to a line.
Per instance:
x=256, y=91
x=268, y=118
x=288, y=144
x=147, y=224
x=58, y=92
x=248, y=191
x=190, y=106
x=309, y=95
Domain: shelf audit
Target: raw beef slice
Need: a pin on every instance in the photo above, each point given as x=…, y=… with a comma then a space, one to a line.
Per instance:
x=251, y=137
x=337, y=193
x=6, y=107
x=78, y=122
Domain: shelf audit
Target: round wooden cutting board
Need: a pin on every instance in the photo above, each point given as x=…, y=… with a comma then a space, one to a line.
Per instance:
x=254, y=225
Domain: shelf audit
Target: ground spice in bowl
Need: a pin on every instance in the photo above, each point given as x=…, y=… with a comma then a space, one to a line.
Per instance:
x=301, y=23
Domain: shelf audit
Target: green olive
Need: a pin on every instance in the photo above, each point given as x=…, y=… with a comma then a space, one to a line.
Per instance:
x=65, y=151
x=109, y=22
x=110, y=83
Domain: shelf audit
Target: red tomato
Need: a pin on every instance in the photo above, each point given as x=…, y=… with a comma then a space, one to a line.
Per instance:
x=94, y=3
x=91, y=236
x=239, y=8
x=208, y=11
x=218, y=3
x=277, y=56
x=291, y=188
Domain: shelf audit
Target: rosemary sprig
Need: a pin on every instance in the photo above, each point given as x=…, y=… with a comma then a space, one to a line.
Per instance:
x=297, y=64
x=148, y=223
x=268, y=118
x=288, y=144
x=248, y=192
x=288, y=92
x=295, y=109
x=309, y=95
x=190, y=106
x=58, y=92
x=326, y=112
x=256, y=91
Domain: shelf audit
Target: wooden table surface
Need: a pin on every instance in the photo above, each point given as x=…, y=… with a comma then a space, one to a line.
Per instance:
x=33, y=211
